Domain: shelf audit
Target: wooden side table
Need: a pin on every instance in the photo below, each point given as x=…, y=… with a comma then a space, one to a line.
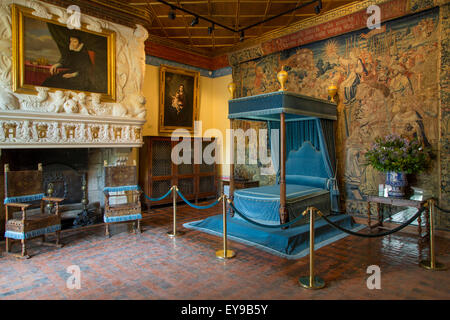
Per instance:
x=415, y=201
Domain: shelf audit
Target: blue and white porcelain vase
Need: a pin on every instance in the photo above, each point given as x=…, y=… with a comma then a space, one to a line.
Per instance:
x=398, y=182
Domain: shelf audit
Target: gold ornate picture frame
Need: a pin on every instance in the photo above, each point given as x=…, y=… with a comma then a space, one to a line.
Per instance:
x=178, y=100
x=48, y=54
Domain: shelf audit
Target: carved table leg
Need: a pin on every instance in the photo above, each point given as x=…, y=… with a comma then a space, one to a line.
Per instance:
x=380, y=215
x=107, y=230
x=419, y=227
x=24, y=248
x=8, y=245
x=139, y=226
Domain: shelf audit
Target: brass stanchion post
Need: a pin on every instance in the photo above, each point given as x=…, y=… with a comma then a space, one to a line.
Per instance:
x=174, y=233
x=311, y=282
x=225, y=253
x=432, y=264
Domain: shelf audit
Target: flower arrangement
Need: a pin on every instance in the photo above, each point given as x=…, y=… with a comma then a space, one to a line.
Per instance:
x=397, y=154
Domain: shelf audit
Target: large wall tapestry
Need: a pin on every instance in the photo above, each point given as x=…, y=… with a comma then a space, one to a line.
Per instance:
x=387, y=81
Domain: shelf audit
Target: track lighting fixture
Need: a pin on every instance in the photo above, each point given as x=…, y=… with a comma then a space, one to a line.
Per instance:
x=318, y=7
x=172, y=14
x=241, y=38
x=194, y=21
x=211, y=29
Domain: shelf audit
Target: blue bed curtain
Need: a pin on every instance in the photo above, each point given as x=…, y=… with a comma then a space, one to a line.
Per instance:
x=318, y=132
x=326, y=137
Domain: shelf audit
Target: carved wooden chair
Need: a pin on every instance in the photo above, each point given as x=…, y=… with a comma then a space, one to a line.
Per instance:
x=122, y=196
x=23, y=191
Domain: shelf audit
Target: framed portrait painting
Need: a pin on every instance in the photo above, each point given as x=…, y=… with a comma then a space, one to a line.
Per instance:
x=48, y=54
x=178, y=102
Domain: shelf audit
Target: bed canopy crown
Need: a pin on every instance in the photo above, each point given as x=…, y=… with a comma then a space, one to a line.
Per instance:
x=269, y=107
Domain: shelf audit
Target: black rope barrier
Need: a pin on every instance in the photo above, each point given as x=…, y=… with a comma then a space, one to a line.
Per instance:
x=443, y=210
x=366, y=235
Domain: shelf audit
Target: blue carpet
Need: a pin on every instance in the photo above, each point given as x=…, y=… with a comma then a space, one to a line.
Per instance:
x=292, y=243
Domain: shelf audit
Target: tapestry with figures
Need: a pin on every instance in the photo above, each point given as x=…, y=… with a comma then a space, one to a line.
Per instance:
x=387, y=80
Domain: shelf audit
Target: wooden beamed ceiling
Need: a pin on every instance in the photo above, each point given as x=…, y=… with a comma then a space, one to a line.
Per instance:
x=235, y=14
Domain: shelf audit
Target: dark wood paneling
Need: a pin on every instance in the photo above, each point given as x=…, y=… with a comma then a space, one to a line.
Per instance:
x=188, y=181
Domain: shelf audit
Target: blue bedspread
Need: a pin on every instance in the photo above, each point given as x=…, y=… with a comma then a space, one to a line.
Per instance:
x=262, y=204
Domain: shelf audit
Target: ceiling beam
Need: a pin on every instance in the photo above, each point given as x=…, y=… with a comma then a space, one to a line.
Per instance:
x=213, y=39
x=187, y=26
x=293, y=15
x=158, y=21
x=266, y=12
x=238, y=9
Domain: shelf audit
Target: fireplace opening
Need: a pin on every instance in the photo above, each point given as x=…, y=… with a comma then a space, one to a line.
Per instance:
x=67, y=171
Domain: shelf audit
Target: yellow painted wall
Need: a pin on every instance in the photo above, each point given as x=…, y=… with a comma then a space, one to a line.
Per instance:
x=220, y=113
x=213, y=106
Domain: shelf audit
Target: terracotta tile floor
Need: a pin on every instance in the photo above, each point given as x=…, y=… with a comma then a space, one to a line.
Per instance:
x=153, y=266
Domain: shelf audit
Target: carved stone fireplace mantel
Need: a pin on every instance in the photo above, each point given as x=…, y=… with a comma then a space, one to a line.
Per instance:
x=37, y=130
x=60, y=118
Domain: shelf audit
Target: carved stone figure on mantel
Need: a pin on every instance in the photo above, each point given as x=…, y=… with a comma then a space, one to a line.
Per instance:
x=58, y=99
x=8, y=101
x=80, y=98
x=119, y=110
x=97, y=107
x=71, y=106
x=136, y=106
x=42, y=95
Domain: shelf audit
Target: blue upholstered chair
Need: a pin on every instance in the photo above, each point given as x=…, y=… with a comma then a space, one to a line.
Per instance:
x=122, y=196
x=23, y=191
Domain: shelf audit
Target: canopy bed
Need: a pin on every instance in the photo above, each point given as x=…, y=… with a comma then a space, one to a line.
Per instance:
x=303, y=155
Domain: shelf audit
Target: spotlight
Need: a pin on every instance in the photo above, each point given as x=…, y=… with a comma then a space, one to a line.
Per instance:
x=172, y=14
x=318, y=7
x=194, y=21
x=241, y=38
x=211, y=29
